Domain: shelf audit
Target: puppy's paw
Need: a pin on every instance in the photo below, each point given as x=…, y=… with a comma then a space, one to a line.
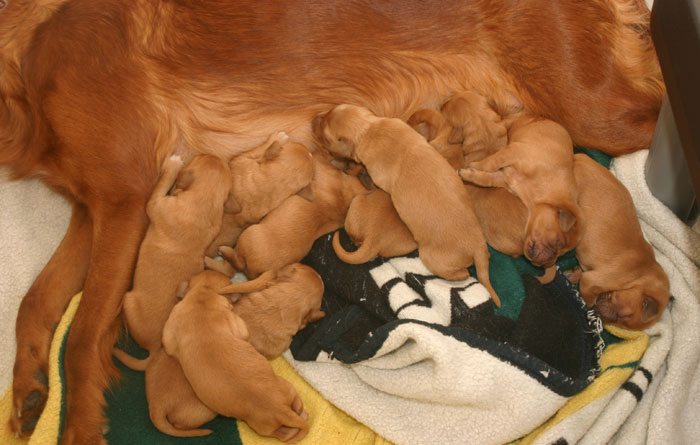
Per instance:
x=174, y=163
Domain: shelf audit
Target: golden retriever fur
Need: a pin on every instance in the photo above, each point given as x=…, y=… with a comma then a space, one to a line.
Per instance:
x=374, y=225
x=173, y=405
x=239, y=383
x=261, y=179
x=426, y=192
x=537, y=166
x=276, y=305
x=619, y=273
x=172, y=252
x=287, y=233
x=97, y=93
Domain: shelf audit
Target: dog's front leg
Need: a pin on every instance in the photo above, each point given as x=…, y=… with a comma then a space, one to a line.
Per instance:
x=39, y=313
x=119, y=228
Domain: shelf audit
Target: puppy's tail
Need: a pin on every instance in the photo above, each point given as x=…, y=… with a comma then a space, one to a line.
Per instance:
x=131, y=361
x=363, y=253
x=247, y=287
x=160, y=420
x=481, y=261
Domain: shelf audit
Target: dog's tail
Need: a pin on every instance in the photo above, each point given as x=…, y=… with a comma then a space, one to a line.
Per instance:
x=131, y=361
x=481, y=261
x=363, y=253
x=246, y=287
x=160, y=420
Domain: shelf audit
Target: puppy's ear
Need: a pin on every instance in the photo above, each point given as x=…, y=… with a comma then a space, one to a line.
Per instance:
x=456, y=136
x=231, y=205
x=345, y=146
x=567, y=220
x=273, y=151
x=306, y=193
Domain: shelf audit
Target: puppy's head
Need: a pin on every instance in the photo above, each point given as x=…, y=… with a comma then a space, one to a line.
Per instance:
x=639, y=305
x=201, y=170
x=550, y=232
x=429, y=123
x=342, y=128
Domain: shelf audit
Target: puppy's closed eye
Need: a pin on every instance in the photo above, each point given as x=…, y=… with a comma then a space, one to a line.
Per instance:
x=650, y=309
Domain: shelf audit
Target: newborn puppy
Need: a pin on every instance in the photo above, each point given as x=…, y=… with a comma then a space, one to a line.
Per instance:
x=619, y=273
x=261, y=179
x=277, y=305
x=172, y=404
x=286, y=234
x=426, y=192
x=433, y=126
x=172, y=251
x=374, y=225
x=503, y=217
x=537, y=166
x=226, y=372
x=475, y=123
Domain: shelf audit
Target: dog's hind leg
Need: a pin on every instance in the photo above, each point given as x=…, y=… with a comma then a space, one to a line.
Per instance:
x=119, y=228
x=39, y=313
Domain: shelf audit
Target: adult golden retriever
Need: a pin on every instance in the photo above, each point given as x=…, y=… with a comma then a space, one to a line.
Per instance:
x=96, y=93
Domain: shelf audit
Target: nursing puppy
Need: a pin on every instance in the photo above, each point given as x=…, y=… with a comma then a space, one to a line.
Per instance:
x=475, y=123
x=502, y=216
x=286, y=234
x=277, y=305
x=173, y=405
x=619, y=273
x=226, y=372
x=426, y=192
x=261, y=179
x=182, y=226
x=537, y=166
x=374, y=225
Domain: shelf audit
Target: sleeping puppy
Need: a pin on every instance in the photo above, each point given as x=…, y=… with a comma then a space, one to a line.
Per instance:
x=426, y=192
x=286, y=234
x=619, y=274
x=433, y=126
x=182, y=226
x=277, y=305
x=537, y=166
x=226, y=372
x=172, y=403
x=261, y=179
x=374, y=225
x=503, y=217
x=475, y=124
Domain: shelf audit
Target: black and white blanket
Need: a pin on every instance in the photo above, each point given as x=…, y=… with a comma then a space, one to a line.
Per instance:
x=423, y=360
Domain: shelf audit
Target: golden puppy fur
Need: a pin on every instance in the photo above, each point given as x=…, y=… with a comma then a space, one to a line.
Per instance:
x=502, y=215
x=537, y=166
x=620, y=275
x=113, y=88
x=475, y=124
x=374, y=225
x=426, y=192
x=182, y=226
x=226, y=372
x=287, y=233
x=173, y=405
x=261, y=179
x=276, y=305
